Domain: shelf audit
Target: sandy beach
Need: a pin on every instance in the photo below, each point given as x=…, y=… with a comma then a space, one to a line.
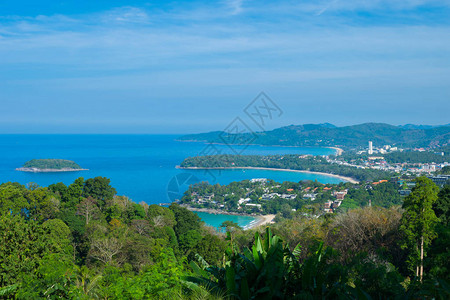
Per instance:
x=36, y=170
x=349, y=179
x=261, y=219
x=339, y=151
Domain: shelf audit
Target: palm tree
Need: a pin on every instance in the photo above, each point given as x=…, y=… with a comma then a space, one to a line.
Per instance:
x=87, y=282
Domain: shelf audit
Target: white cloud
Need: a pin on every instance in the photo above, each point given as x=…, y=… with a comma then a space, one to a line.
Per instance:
x=201, y=51
x=326, y=7
x=127, y=15
x=235, y=6
x=370, y=5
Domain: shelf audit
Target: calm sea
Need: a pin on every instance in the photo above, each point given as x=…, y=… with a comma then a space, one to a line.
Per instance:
x=139, y=166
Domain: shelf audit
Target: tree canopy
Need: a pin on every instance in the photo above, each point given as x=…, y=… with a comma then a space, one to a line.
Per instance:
x=50, y=248
x=419, y=221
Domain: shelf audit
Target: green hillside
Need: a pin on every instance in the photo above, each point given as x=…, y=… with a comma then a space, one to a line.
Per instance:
x=327, y=135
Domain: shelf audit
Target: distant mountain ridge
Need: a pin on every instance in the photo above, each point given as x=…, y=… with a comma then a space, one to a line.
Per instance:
x=329, y=135
x=413, y=126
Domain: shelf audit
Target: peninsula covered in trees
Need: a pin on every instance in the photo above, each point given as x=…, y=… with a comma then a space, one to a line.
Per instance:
x=50, y=165
x=288, y=162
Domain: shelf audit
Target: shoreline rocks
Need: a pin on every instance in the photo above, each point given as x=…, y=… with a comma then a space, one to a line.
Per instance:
x=37, y=170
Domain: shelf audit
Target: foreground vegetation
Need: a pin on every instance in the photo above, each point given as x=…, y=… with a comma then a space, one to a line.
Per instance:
x=82, y=241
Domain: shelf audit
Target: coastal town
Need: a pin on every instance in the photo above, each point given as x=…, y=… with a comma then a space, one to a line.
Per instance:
x=264, y=196
x=374, y=158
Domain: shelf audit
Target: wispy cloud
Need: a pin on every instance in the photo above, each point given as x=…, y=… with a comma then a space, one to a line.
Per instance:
x=226, y=50
x=235, y=6
x=133, y=36
x=326, y=7
x=126, y=15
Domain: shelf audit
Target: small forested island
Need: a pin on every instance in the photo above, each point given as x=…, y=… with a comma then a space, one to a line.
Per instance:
x=50, y=165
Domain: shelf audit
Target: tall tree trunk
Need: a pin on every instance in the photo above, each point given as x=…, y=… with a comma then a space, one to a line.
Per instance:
x=417, y=263
x=421, y=258
x=74, y=250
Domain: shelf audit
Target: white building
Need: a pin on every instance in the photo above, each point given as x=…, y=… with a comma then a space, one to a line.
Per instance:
x=370, y=148
x=242, y=200
x=253, y=205
x=270, y=196
x=260, y=180
x=311, y=196
x=289, y=196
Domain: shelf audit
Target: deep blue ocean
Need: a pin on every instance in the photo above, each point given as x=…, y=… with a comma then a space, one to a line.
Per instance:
x=142, y=167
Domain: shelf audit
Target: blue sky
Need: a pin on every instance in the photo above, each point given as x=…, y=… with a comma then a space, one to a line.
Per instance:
x=193, y=66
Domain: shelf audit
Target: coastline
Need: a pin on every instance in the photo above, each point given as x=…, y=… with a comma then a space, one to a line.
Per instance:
x=339, y=151
x=264, y=220
x=36, y=170
x=348, y=179
x=260, y=219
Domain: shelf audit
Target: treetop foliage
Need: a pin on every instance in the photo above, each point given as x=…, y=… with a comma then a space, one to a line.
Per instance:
x=84, y=242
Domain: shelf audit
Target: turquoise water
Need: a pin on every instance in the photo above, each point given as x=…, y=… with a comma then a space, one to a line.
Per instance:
x=215, y=220
x=139, y=166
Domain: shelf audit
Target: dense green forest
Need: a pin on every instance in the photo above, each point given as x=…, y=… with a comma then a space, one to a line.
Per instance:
x=444, y=171
x=329, y=135
x=51, y=164
x=82, y=241
x=289, y=161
